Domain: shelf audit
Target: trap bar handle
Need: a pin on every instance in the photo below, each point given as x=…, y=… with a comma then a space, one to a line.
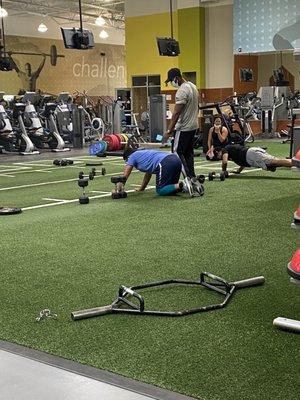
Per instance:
x=91, y=312
x=256, y=281
x=123, y=291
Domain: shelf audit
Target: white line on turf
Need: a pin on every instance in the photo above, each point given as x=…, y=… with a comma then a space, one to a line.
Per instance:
x=74, y=200
x=55, y=182
x=7, y=176
x=33, y=164
x=57, y=200
x=99, y=192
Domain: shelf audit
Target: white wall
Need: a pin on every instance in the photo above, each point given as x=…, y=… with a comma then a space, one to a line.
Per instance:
x=135, y=8
x=27, y=26
x=219, y=46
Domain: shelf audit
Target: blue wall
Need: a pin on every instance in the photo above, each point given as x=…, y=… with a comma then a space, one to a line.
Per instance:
x=266, y=25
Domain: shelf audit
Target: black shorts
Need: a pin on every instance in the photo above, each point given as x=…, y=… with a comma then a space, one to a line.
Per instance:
x=168, y=171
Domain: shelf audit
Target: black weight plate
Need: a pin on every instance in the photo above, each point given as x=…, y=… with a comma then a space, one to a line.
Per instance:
x=10, y=210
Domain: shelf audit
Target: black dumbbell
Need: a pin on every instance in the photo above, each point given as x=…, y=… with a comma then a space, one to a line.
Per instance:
x=90, y=176
x=201, y=178
x=83, y=183
x=84, y=199
x=118, y=194
x=63, y=162
x=118, y=179
x=94, y=171
x=222, y=176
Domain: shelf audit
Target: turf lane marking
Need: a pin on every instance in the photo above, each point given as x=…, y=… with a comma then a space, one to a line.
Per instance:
x=7, y=176
x=55, y=182
x=24, y=169
x=32, y=164
x=99, y=191
x=57, y=200
x=75, y=200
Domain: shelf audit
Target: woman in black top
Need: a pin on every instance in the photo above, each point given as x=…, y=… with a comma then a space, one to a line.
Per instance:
x=217, y=137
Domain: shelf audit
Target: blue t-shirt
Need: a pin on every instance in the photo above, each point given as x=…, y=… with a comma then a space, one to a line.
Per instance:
x=146, y=160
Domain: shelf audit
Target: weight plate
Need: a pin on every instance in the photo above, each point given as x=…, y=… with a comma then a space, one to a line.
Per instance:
x=120, y=139
x=124, y=137
x=10, y=210
x=117, y=142
x=110, y=142
x=53, y=55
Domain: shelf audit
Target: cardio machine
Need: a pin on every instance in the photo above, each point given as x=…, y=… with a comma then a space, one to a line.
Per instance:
x=32, y=122
x=55, y=141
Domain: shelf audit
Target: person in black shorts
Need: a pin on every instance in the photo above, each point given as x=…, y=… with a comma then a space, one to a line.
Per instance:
x=185, y=123
x=217, y=137
x=247, y=157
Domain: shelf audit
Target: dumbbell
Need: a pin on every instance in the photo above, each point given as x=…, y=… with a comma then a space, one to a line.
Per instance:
x=117, y=194
x=102, y=172
x=83, y=183
x=222, y=175
x=90, y=176
x=201, y=178
x=63, y=162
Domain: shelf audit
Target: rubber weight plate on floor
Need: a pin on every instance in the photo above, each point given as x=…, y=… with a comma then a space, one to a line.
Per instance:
x=10, y=210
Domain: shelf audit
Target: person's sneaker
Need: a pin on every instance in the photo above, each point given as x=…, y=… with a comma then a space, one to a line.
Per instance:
x=197, y=186
x=188, y=186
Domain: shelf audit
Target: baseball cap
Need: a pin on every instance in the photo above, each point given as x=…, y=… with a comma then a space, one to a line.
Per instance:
x=173, y=73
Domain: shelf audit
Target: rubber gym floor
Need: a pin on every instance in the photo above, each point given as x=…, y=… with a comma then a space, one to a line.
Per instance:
x=63, y=256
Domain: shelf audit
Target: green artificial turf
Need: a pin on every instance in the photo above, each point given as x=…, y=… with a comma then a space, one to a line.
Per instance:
x=71, y=257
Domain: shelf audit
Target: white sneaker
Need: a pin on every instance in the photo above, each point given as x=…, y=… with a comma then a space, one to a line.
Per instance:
x=197, y=186
x=189, y=187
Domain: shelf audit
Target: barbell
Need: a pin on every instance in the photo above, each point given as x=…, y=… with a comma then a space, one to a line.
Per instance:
x=53, y=54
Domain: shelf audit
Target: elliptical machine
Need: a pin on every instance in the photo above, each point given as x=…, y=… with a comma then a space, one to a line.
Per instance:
x=55, y=141
x=7, y=136
x=14, y=139
x=63, y=115
x=32, y=122
x=24, y=144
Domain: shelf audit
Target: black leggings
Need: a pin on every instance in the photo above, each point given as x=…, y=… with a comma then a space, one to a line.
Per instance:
x=183, y=146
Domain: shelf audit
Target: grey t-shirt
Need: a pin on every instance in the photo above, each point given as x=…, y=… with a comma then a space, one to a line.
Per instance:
x=188, y=95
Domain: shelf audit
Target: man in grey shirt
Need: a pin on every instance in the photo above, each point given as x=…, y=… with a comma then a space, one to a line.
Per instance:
x=185, y=123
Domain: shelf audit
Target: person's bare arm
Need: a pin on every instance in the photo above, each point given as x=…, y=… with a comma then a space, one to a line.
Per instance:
x=209, y=140
x=41, y=66
x=127, y=171
x=14, y=64
x=176, y=114
x=223, y=135
x=144, y=184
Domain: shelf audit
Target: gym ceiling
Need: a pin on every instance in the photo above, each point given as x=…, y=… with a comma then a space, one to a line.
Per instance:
x=58, y=10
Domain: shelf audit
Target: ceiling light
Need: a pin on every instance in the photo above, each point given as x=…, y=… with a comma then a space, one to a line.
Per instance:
x=100, y=21
x=103, y=34
x=42, y=28
x=3, y=12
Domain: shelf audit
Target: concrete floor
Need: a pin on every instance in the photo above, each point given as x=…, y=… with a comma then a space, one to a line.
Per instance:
x=28, y=374
x=24, y=379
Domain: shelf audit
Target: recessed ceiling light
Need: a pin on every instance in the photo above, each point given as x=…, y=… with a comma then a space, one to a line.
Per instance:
x=100, y=21
x=103, y=34
x=42, y=28
x=3, y=12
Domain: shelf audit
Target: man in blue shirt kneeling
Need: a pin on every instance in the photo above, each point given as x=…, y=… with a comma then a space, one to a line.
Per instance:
x=167, y=168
